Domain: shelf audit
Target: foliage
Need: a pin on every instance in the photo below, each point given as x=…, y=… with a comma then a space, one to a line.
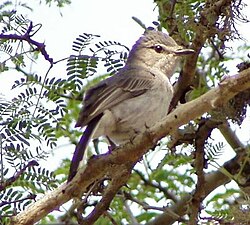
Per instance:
x=59, y=3
x=25, y=123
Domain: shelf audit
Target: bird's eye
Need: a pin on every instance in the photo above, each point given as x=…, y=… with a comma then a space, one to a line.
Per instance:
x=158, y=48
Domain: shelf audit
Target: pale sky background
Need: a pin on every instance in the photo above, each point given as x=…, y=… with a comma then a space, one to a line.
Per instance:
x=112, y=19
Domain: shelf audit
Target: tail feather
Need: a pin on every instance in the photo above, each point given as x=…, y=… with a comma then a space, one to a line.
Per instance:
x=81, y=147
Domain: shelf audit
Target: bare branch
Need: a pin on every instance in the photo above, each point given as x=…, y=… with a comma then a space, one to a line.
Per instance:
x=146, y=206
x=156, y=185
x=110, y=218
x=27, y=37
x=119, y=178
x=130, y=213
x=203, y=132
x=230, y=136
x=12, y=179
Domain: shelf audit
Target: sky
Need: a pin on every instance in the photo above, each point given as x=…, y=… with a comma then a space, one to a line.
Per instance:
x=112, y=19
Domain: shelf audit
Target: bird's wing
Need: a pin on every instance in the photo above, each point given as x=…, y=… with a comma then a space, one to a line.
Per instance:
x=108, y=93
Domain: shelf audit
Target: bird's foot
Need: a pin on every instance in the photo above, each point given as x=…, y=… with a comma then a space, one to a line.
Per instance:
x=111, y=146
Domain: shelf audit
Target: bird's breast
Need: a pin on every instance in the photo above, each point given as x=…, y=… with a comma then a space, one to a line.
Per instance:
x=135, y=115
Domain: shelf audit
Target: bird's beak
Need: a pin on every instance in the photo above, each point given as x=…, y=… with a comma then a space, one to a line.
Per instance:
x=184, y=51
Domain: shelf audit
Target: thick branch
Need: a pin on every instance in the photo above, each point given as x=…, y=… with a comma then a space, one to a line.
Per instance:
x=101, y=165
x=230, y=136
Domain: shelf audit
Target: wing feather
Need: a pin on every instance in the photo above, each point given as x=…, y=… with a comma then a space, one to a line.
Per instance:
x=124, y=85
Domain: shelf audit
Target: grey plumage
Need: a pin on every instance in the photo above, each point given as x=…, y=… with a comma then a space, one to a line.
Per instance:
x=136, y=97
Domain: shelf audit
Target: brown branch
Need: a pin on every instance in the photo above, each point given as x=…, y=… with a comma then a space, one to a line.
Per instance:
x=205, y=29
x=106, y=214
x=143, y=204
x=12, y=179
x=156, y=185
x=203, y=132
x=27, y=37
x=101, y=165
x=146, y=206
x=120, y=176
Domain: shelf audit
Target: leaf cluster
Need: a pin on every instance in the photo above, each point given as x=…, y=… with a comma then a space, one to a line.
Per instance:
x=105, y=52
x=59, y=3
x=14, y=51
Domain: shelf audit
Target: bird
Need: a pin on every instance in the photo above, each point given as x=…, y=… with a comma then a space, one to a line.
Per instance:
x=132, y=100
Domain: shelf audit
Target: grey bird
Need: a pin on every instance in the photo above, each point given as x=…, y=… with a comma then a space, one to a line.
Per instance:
x=135, y=98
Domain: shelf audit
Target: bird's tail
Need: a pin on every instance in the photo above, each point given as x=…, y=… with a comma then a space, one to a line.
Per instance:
x=81, y=146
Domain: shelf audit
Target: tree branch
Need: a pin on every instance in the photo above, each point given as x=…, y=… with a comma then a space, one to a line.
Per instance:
x=27, y=37
x=230, y=136
x=130, y=153
x=11, y=180
x=148, y=182
x=205, y=29
x=203, y=132
x=120, y=176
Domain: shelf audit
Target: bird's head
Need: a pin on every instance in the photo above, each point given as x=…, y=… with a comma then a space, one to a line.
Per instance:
x=157, y=50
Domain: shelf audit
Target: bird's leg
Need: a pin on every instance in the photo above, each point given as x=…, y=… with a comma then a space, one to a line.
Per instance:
x=146, y=126
x=112, y=145
x=136, y=132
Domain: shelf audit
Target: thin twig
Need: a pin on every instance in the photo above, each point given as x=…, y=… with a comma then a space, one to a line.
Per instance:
x=156, y=185
x=110, y=218
x=146, y=206
x=12, y=179
x=27, y=37
x=41, y=91
x=30, y=196
x=1, y=158
x=130, y=214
